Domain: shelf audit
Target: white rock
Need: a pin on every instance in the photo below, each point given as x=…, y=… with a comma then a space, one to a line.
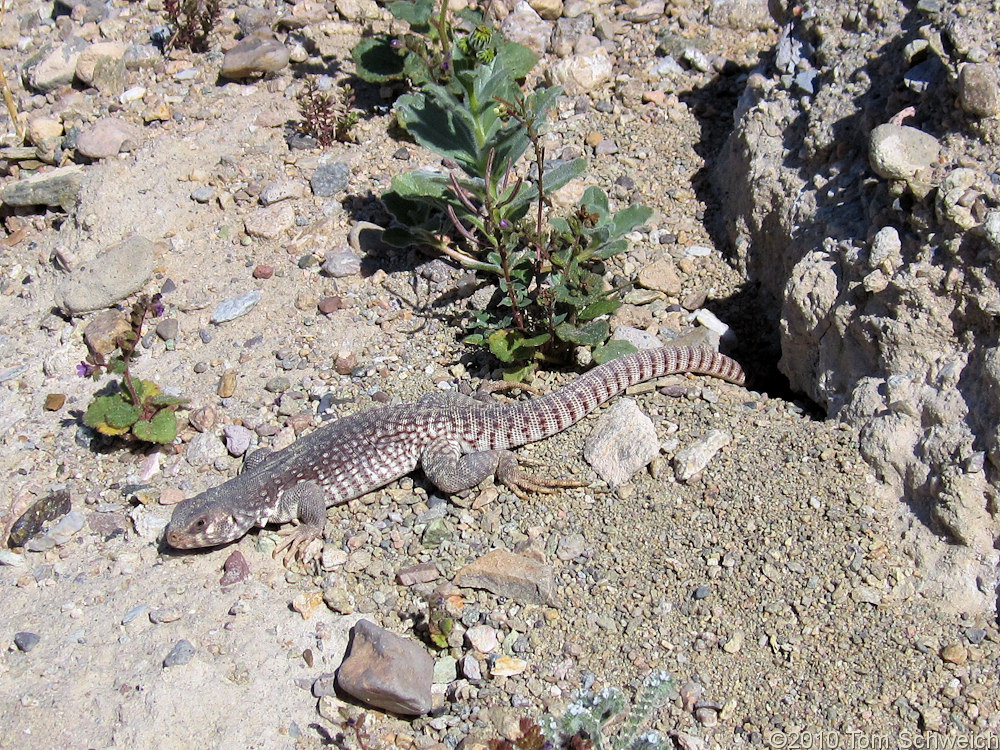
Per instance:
x=898, y=152
x=692, y=460
x=582, y=74
x=623, y=442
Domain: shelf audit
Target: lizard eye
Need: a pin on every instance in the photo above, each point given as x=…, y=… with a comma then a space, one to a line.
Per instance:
x=199, y=524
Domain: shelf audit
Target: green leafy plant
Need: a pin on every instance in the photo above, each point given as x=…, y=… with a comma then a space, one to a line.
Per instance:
x=193, y=22
x=588, y=722
x=548, y=273
x=138, y=407
x=438, y=47
x=326, y=116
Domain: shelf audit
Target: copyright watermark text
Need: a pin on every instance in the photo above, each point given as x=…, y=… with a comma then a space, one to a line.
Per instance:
x=905, y=740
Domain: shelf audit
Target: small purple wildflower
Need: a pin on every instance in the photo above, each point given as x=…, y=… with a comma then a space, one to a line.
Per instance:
x=504, y=224
x=445, y=66
x=156, y=305
x=396, y=43
x=85, y=369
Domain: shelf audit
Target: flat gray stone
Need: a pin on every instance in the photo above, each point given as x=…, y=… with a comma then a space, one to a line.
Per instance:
x=119, y=271
x=387, y=671
x=260, y=52
x=234, y=307
x=58, y=187
x=340, y=262
x=520, y=578
x=57, y=66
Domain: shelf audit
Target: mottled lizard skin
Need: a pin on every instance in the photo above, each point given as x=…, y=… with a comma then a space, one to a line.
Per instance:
x=457, y=441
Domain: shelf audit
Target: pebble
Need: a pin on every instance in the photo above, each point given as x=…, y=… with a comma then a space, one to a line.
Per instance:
x=140, y=610
x=899, y=152
x=623, y=442
x=331, y=177
x=341, y=262
x=387, y=671
x=571, y=546
x=979, y=89
x=114, y=274
x=234, y=307
x=235, y=569
x=661, y=275
x=735, y=642
x=414, y=574
x=708, y=319
x=508, y=666
x=691, y=461
x=483, y=638
x=470, y=667
x=167, y=329
x=648, y=11
x=261, y=52
x=54, y=401
x=90, y=59
x=26, y=641
x=263, y=272
x=637, y=337
x=59, y=534
x=524, y=26
x=582, y=73
x=307, y=603
x=238, y=439
x=955, y=653
x=164, y=615
x=274, y=192
x=445, y=670
x=108, y=137
x=270, y=222
x=180, y=654
x=203, y=194
x=331, y=304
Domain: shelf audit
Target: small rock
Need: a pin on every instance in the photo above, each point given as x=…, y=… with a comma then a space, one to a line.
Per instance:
x=701, y=592
x=866, y=595
x=419, y=573
x=180, y=654
x=341, y=262
x=483, y=638
x=508, y=666
x=261, y=52
x=274, y=192
x=167, y=329
x=648, y=11
x=524, y=26
x=549, y=10
x=103, y=333
x=234, y=307
x=56, y=187
x=387, y=671
x=692, y=460
x=57, y=66
x=735, y=642
x=331, y=304
x=107, y=137
x=522, y=579
x=662, y=276
x=955, y=653
x=238, y=439
x=570, y=547
x=235, y=569
x=263, y=272
x=445, y=670
x=42, y=129
x=26, y=641
x=582, y=73
x=330, y=178
x=203, y=194
x=307, y=603
x=979, y=89
x=54, y=401
x=270, y=222
x=470, y=667
x=164, y=615
x=87, y=62
x=623, y=442
x=899, y=152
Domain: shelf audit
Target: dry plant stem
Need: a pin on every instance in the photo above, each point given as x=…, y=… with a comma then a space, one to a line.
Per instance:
x=5, y=87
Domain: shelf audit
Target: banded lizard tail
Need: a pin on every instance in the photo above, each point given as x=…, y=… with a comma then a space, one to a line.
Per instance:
x=457, y=441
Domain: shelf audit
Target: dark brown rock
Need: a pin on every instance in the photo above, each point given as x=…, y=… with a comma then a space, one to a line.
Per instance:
x=387, y=671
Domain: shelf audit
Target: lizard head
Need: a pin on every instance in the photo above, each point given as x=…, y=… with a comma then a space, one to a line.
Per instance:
x=204, y=521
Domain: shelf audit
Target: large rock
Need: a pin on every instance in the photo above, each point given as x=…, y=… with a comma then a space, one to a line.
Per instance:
x=870, y=250
x=113, y=275
x=387, y=670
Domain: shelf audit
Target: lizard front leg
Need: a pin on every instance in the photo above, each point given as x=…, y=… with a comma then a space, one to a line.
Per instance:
x=308, y=501
x=451, y=471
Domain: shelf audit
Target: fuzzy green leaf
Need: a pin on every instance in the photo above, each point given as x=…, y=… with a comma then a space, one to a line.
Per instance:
x=162, y=399
x=162, y=428
x=121, y=413
x=591, y=334
x=604, y=306
x=417, y=13
x=629, y=218
x=612, y=349
x=513, y=346
x=517, y=59
x=376, y=61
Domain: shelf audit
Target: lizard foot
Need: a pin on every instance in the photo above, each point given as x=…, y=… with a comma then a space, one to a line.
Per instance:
x=301, y=542
x=521, y=483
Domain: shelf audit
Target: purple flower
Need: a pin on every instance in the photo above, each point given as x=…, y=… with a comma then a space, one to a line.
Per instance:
x=504, y=224
x=85, y=369
x=445, y=66
x=156, y=305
